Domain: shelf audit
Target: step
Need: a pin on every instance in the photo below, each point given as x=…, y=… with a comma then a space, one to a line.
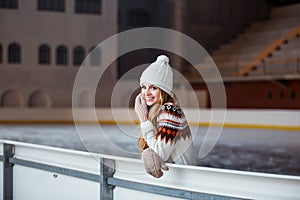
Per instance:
x=282, y=68
x=275, y=24
x=246, y=46
x=259, y=70
x=264, y=34
x=229, y=49
x=292, y=44
x=285, y=11
x=227, y=64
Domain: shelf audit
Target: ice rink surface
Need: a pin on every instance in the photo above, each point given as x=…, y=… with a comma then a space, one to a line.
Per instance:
x=259, y=150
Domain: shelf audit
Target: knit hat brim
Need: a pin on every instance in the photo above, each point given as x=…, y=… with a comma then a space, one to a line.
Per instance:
x=162, y=87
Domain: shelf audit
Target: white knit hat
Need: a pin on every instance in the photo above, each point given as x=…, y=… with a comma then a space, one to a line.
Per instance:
x=159, y=74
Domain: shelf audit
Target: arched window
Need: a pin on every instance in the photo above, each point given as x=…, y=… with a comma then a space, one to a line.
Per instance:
x=39, y=99
x=44, y=54
x=1, y=52
x=78, y=56
x=14, y=53
x=138, y=17
x=95, y=56
x=12, y=98
x=61, y=55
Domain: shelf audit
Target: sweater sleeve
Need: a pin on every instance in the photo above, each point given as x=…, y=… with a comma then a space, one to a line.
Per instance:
x=171, y=126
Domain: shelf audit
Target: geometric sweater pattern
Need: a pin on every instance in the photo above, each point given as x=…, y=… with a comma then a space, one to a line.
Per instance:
x=172, y=125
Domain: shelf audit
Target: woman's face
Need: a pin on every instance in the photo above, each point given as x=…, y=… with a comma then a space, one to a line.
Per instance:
x=151, y=93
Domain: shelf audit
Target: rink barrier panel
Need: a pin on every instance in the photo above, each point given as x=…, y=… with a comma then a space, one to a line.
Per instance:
x=82, y=175
x=106, y=181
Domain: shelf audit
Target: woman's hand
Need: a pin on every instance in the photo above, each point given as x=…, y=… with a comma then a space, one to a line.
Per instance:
x=140, y=108
x=153, y=163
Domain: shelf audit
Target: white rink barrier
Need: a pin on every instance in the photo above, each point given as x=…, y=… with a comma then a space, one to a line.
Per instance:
x=35, y=172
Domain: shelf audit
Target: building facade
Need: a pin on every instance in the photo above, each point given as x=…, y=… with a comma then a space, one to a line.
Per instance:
x=43, y=44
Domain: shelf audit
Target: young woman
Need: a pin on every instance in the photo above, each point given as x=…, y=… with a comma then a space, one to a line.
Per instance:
x=165, y=134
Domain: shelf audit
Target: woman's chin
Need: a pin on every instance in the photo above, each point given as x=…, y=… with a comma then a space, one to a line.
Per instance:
x=149, y=103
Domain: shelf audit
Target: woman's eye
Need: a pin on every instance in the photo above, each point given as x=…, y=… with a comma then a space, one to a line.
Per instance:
x=143, y=87
x=154, y=88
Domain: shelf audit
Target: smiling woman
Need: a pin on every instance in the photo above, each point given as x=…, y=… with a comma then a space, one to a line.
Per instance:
x=165, y=134
x=150, y=93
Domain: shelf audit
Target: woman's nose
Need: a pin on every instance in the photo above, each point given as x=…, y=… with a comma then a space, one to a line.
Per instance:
x=147, y=91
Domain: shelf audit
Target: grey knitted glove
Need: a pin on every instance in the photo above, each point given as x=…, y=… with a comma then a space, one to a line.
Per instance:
x=140, y=108
x=153, y=163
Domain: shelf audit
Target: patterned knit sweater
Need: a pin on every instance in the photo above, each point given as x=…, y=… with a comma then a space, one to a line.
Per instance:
x=171, y=138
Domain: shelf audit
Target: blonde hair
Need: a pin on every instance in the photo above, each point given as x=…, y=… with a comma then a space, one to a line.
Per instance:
x=153, y=111
x=164, y=98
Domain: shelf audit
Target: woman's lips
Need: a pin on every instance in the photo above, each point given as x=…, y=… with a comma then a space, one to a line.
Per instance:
x=149, y=98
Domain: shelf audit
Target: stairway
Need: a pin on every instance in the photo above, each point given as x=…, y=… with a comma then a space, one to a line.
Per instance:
x=269, y=47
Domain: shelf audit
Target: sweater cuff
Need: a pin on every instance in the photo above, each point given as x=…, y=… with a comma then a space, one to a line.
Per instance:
x=146, y=127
